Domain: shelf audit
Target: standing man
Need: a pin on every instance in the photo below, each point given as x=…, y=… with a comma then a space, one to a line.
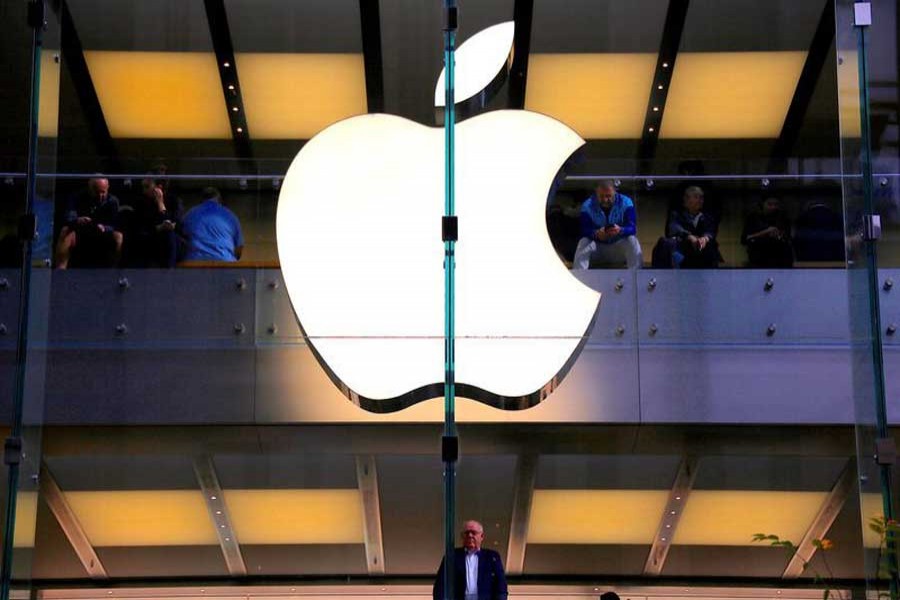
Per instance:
x=212, y=231
x=478, y=573
x=608, y=230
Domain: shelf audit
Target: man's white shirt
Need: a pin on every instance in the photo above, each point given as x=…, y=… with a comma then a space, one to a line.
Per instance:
x=472, y=573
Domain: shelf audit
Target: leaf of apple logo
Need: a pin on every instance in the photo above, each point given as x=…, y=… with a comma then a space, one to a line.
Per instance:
x=359, y=240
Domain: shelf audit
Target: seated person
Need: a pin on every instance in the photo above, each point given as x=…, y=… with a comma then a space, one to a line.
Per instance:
x=692, y=234
x=212, y=232
x=608, y=227
x=767, y=235
x=90, y=228
x=153, y=241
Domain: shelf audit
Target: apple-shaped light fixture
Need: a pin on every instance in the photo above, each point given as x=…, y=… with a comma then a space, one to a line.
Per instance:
x=359, y=240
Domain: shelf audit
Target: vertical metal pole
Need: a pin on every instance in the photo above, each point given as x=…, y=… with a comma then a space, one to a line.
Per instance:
x=13, y=446
x=871, y=258
x=450, y=442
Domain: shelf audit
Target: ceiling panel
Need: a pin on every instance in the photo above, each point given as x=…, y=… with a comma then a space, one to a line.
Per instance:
x=294, y=96
x=744, y=95
x=565, y=86
x=296, y=516
x=595, y=516
x=143, y=518
x=175, y=95
x=731, y=518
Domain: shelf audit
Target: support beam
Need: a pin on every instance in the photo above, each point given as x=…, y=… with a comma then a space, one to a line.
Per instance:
x=829, y=511
x=370, y=23
x=73, y=57
x=676, y=15
x=523, y=493
x=367, y=481
x=68, y=522
x=806, y=86
x=523, y=16
x=220, y=34
x=678, y=497
x=218, y=514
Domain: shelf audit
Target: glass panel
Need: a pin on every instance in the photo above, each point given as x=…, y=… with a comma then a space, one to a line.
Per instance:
x=195, y=398
x=876, y=476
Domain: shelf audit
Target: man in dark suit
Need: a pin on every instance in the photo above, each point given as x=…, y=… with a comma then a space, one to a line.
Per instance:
x=694, y=233
x=478, y=573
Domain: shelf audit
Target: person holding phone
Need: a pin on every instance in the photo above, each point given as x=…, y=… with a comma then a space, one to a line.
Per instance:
x=608, y=230
x=157, y=215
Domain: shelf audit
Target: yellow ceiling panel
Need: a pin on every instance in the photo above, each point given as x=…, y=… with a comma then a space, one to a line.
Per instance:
x=26, y=520
x=730, y=518
x=319, y=516
x=730, y=94
x=48, y=104
x=144, y=518
x=600, y=96
x=595, y=516
x=294, y=96
x=848, y=94
x=175, y=95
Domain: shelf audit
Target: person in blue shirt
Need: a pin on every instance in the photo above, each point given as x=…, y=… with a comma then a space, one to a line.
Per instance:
x=608, y=230
x=212, y=231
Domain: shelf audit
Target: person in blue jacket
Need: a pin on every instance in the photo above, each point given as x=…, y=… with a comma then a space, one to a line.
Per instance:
x=477, y=572
x=608, y=230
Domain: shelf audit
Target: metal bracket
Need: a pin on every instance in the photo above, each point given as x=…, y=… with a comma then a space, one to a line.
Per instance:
x=449, y=448
x=449, y=229
x=872, y=227
x=451, y=18
x=862, y=14
x=12, y=451
x=885, y=451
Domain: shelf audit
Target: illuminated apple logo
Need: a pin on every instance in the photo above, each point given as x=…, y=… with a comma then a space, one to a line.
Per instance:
x=359, y=239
